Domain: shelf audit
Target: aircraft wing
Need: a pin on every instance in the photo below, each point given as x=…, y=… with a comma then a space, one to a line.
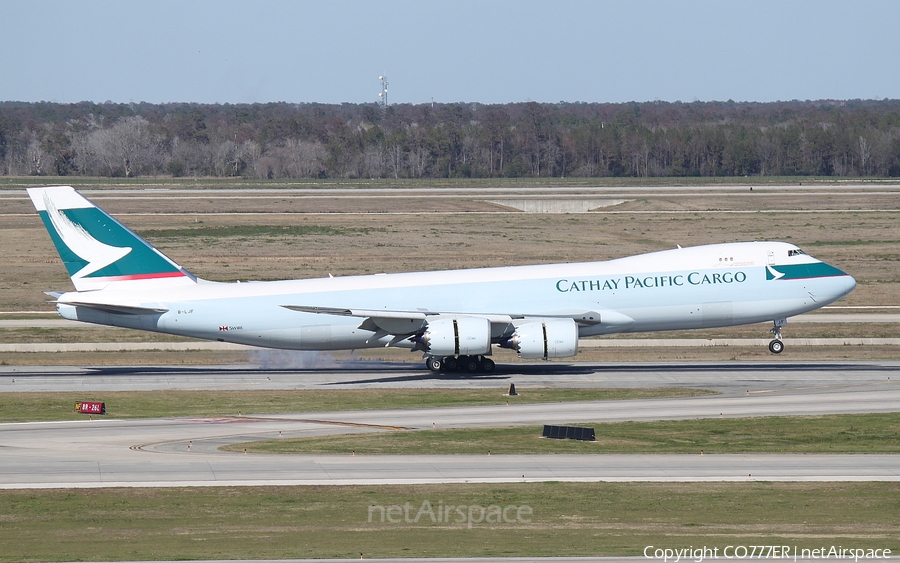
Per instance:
x=417, y=315
x=392, y=322
x=410, y=322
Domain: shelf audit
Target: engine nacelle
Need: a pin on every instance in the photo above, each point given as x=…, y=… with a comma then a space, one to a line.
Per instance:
x=546, y=339
x=467, y=336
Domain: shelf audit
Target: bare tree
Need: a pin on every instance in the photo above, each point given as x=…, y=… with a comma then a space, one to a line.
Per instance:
x=38, y=160
x=419, y=158
x=372, y=164
x=192, y=159
x=132, y=143
x=865, y=156
x=395, y=151
x=249, y=155
x=84, y=158
x=302, y=159
x=765, y=152
x=224, y=158
x=126, y=147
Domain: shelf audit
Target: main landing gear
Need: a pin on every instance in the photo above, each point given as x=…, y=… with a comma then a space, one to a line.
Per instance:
x=471, y=364
x=776, y=346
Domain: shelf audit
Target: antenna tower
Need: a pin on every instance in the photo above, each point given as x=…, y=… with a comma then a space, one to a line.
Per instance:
x=383, y=95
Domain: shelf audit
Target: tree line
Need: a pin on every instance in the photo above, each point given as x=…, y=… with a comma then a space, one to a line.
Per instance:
x=283, y=140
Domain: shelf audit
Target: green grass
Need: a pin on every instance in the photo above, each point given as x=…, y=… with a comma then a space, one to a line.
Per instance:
x=569, y=519
x=856, y=433
x=24, y=407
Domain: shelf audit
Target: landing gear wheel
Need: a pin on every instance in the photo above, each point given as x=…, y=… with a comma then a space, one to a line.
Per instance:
x=487, y=365
x=776, y=346
x=434, y=364
x=471, y=364
x=450, y=364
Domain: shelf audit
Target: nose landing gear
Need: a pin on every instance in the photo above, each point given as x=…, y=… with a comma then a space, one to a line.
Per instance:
x=471, y=364
x=776, y=346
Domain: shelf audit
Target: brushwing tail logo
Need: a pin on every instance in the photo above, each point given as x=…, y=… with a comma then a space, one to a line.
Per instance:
x=97, y=254
x=773, y=274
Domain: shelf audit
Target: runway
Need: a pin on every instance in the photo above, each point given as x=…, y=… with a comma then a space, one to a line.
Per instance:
x=501, y=198
x=307, y=370
x=183, y=452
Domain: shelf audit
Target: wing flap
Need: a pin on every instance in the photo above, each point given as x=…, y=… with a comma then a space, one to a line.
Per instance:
x=420, y=315
x=391, y=322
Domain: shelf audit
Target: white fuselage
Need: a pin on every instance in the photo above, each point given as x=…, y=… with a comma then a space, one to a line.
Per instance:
x=699, y=287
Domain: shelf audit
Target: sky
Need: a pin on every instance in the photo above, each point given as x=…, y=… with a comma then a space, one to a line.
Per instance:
x=487, y=51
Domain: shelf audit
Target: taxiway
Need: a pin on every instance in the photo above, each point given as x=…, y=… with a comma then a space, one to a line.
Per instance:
x=184, y=451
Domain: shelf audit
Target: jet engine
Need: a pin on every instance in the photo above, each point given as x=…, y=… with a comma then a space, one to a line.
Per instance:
x=466, y=336
x=545, y=339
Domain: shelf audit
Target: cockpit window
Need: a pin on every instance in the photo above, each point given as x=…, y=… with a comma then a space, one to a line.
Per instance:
x=795, y=252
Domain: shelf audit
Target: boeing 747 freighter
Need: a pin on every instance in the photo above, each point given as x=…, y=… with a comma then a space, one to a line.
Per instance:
x=453, y=317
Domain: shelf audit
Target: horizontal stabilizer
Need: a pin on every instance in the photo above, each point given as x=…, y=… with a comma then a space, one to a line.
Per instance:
x=117, y=309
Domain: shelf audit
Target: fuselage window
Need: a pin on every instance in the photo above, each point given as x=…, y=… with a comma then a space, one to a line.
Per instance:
x=796, y=252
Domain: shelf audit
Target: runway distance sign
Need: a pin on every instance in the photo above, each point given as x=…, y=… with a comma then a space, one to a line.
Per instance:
x=90, y=407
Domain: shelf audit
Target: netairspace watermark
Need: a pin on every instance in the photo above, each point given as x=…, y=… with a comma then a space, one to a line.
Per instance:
x=698, y=554
x=440, y=513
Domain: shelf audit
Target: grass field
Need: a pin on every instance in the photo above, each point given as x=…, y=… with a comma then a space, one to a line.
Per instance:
x=568, y=519
x=857, y=434
x=22, y=407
